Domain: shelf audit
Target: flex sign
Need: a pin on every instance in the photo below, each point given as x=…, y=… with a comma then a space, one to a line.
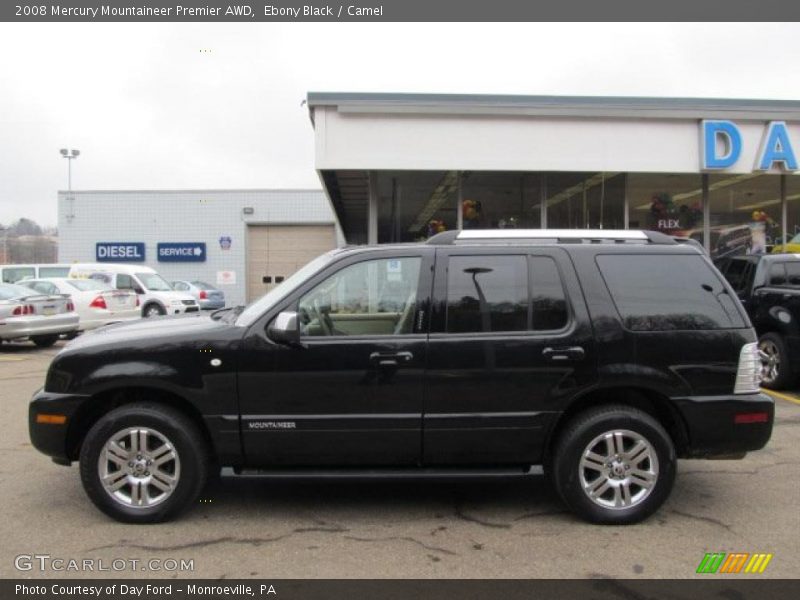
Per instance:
x=119, y=251
x=182, y=252
x=722, y=142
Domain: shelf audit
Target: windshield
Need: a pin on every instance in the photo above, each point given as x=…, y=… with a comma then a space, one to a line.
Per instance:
x=154, y=282
x=88, y=285
x=202, y=285
x=259, y=307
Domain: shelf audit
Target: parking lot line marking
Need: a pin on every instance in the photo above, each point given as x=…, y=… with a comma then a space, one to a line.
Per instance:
x=12, y=358
x=786, y=397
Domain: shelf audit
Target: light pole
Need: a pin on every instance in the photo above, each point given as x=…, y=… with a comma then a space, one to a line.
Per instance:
x=70, y=155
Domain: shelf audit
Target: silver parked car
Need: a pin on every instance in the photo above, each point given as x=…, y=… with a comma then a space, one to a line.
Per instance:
x=207, y=296
x=42, y=318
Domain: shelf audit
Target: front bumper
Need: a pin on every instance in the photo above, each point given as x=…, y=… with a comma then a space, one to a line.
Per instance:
x=48, y=438
x=726, y=425
x=21, y=327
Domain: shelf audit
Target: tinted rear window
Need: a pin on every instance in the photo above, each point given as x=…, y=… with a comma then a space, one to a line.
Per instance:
x=668, y=292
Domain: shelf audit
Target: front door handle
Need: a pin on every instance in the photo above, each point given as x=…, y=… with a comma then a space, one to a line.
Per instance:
x=568, y=353
x=390, y=359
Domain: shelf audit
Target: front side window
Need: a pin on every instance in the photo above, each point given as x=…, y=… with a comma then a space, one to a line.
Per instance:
x=124, y=282
x=375, y=297
x=153, y=282
x=487, y=294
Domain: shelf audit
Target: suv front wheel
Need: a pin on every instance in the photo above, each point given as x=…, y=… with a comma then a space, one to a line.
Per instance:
x=614, y=465
x=143, y=462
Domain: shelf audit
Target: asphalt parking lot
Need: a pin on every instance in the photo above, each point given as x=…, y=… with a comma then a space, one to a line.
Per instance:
x=475, y=529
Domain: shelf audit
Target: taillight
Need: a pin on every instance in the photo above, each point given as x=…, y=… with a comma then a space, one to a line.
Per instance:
x=203, y=295
x=751, y=417
x=70, y=306
x=748, y=375
x=137, y=300
x=23, y=309
x=98, y=302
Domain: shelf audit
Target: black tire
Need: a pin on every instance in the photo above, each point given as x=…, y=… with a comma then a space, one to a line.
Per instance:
x=773, y=346
x=580, y=433
x=44, y=341
x=153, y=309
x=186, y=440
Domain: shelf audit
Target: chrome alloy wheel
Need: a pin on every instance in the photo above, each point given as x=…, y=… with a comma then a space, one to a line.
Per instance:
x=139, y=467
x=618, y=469
x=770, y=361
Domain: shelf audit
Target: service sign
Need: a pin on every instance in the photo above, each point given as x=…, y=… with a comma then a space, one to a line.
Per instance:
x=182, y=252
x=119, y=251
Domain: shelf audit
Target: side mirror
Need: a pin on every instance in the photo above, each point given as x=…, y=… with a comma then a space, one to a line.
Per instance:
x=285, y=329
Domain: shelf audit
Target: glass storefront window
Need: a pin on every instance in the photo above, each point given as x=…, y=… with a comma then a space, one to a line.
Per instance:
x=792, y=213
x=585, y=200
x=669, y=203
x=745, y=213
x=492, y=200
x=413, y=205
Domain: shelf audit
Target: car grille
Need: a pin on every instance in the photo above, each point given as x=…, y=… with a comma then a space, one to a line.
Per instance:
x=193, y=309
x=188, y=302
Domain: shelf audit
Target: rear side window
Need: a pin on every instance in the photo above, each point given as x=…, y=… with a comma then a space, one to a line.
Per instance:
x=777, y=274
x=53, y=271
x=668, y=292
x=548, y=302
x=793, y=273
x=504, y=293
x=487, y=293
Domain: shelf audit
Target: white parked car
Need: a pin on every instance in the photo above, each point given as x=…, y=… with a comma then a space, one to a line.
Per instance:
x=156, y=296
x=42, y=318
x=96, y=303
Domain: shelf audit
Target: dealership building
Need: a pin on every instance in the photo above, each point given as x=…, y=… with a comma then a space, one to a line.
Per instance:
x=399, y=167
x=242, y=241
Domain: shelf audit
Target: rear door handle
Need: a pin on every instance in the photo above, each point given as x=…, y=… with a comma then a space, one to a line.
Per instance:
x=568, y=353
x=390, y=359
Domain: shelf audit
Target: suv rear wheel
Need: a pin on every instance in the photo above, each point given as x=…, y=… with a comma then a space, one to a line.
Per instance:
x=776, y=371
x=614, y=465
x=142, y=463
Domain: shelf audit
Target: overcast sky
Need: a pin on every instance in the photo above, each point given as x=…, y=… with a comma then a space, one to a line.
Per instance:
x=148, y=109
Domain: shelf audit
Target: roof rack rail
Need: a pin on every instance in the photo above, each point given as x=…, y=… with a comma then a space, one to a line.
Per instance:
x=576, y=235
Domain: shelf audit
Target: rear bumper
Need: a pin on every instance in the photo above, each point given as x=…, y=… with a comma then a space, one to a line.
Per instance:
x=20, y=327
x=211, y=304
x=726, y=425
x=47, y=438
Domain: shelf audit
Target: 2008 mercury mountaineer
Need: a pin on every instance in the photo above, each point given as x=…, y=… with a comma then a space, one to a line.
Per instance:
x=599, y=356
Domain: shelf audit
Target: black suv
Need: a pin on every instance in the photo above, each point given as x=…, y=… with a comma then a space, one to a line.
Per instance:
x=598, y=356
x=769, y=288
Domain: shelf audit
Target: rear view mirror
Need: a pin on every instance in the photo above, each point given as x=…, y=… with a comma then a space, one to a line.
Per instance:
x=285, y=329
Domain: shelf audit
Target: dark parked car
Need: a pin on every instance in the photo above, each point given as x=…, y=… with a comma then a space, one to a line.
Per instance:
x=599, y=357
x=769, y=288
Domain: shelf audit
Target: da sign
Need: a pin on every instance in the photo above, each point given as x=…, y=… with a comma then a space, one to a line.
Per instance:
x=722, y=142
